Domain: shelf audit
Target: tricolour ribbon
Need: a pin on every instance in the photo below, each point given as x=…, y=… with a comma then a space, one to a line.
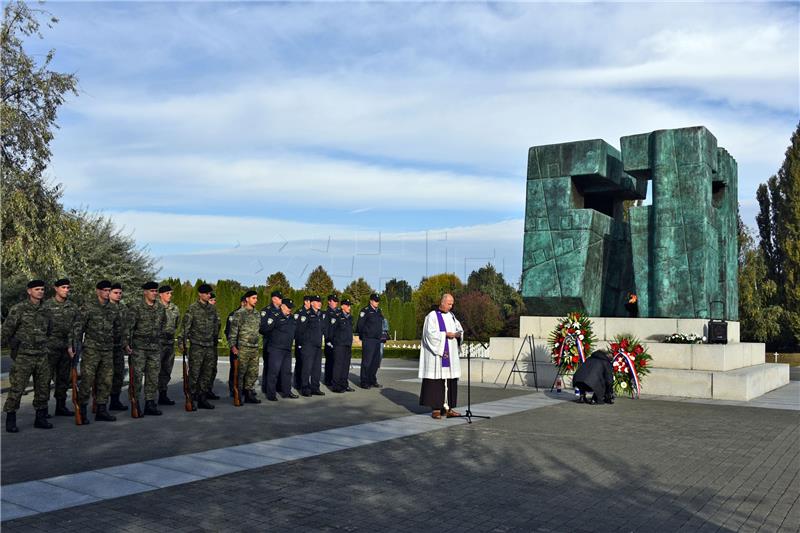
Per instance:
x=629, y=362
x=578, y=343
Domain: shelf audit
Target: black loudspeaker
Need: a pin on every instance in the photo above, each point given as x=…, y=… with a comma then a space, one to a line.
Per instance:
x=717, y=332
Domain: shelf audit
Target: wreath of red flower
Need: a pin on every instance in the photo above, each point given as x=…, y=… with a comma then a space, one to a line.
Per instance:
x=571, y=339
x=625, y=383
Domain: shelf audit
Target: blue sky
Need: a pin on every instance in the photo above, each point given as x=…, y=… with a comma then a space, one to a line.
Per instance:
x=388, y=139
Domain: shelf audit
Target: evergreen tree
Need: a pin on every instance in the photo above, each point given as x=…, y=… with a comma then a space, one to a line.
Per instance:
x=359, y=290
x=430, y=292
x=398, y=288
x=319, y=282
x=278, y=282
x=760, y=320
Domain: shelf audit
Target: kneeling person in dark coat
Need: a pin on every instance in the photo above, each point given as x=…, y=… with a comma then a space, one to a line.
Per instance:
x=597, y=376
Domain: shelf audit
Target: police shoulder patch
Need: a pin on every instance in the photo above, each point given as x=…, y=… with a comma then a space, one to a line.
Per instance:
x=333, y=321
x=270, y=321
x=362, y=313
x=263, y=313
x=230, y=318
x=303, y=318
x=296, y=315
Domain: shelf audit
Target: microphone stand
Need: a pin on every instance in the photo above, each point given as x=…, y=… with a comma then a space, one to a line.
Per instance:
x=468, y=413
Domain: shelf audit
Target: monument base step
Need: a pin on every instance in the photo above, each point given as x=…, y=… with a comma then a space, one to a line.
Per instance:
x=738, y=384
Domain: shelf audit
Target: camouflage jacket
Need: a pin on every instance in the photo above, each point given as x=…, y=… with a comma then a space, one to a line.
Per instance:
x=28, y=328
x=201, y=325
x=121, y=309
x=244, y=328
x=98, y=326
x=144, y=326
x=65, y=315
x=173, y=317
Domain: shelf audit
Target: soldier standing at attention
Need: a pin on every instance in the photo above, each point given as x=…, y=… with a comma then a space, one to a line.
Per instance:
x=28, y=329
x=144, y=329
x=210, y=394
x=167, y=343
x=243, y=340
x=370, y=328
x=201, y=330
x=95, y=333
x=272, y=310
x=328, y=318
x=298, y=355
x=341, y=337
x=280, y=330
x=309, y=330
x=115, y=297
x=65, y=315
x=231, y=357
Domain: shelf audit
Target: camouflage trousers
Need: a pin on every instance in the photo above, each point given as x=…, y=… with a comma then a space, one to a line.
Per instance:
x=119, y=370
x=167, y=362
x=23, y=367
x=202, y=368
x=214, y=362
x=60, y=367
x=146, y=366
x=248, y=367
x=96, y=375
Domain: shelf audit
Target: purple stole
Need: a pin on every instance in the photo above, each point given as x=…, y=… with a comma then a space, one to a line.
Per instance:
x=446, y=355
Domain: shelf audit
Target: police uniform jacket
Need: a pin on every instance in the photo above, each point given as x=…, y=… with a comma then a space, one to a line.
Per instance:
x=370, y=323
x=341, y=329
x=281, y=332
x=309, y=329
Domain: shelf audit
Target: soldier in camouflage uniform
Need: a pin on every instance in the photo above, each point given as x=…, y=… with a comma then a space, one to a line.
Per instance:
x=201, y=329
x=95, y=333
x=115, y=298
x=243, y=340
x=65, y=315
x=210, y=394
x=144, y=329
x=28, y=329
x=167, y=343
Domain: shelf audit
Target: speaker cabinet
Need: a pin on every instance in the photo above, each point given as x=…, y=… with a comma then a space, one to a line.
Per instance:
x=717, y=332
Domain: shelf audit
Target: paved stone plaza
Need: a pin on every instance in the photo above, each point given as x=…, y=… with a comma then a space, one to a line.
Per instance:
x=363, y=462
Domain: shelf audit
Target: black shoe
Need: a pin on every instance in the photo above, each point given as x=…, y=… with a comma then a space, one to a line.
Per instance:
x=317, y=393
x=103, y=415
x=305, y=394
x=84, y=416
x=203, y=403
x=41, y=420
x=365, y=387
x=609, y=400
x=163, y=399
x=272, y=398
x=11, y=423
x=349, y=389
x=151, y=409
x=377, y=386
x=116, y=405
x=337, y=391
x=62, y=409
x=251, y=397
x=211, y=396
x=290, y=396
x=595, y=400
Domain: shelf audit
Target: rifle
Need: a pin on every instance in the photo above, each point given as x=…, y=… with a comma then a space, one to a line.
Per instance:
x=188, y=404
x=236, y=399
x=132, y=389
x=74, y=378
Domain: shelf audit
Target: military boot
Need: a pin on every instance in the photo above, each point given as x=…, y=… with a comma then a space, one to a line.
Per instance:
x=62, y=409
x=163, y=399
x=151, y=409
x=250, y=396
x=117, y=405
x=84, y=416
x=203, y=403
x=41, y=420
x=11, y=422
x=103, y=415
x=211, y=396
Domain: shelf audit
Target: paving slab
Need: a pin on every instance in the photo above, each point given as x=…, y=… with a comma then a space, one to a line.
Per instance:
x=10, y=511
x=42, y=497
x=99, y=485
x=195, y=466
x=236, y=458
x=149, y=474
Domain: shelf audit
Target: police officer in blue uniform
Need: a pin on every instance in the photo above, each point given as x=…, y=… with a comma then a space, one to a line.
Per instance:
x=281, y=332
x=310, y=332
x=329, y=317
x=341, y=338
x=298, y=358
x=369, y=329
x=272, y=310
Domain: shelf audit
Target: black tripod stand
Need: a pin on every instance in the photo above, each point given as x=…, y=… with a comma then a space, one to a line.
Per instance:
x=468, y=413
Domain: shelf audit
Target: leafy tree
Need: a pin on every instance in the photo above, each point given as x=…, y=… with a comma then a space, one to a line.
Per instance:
x=358, y=290
x=760, y=320
x=278, y=281
x=398, y=288
x=319, y=282
x=508, y=300
x=479, y=315
x=35, y=230
x=430, y=293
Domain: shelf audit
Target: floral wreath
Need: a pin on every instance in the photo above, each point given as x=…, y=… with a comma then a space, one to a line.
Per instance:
x=629, y=361
x=571, y=342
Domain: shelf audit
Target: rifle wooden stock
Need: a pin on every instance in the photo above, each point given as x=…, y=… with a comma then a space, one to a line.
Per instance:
x=237, y=401
x=186, y=392
x=74, y=378
x=132, y=389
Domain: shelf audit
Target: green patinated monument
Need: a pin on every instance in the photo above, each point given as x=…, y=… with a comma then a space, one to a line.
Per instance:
x=584, y=250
